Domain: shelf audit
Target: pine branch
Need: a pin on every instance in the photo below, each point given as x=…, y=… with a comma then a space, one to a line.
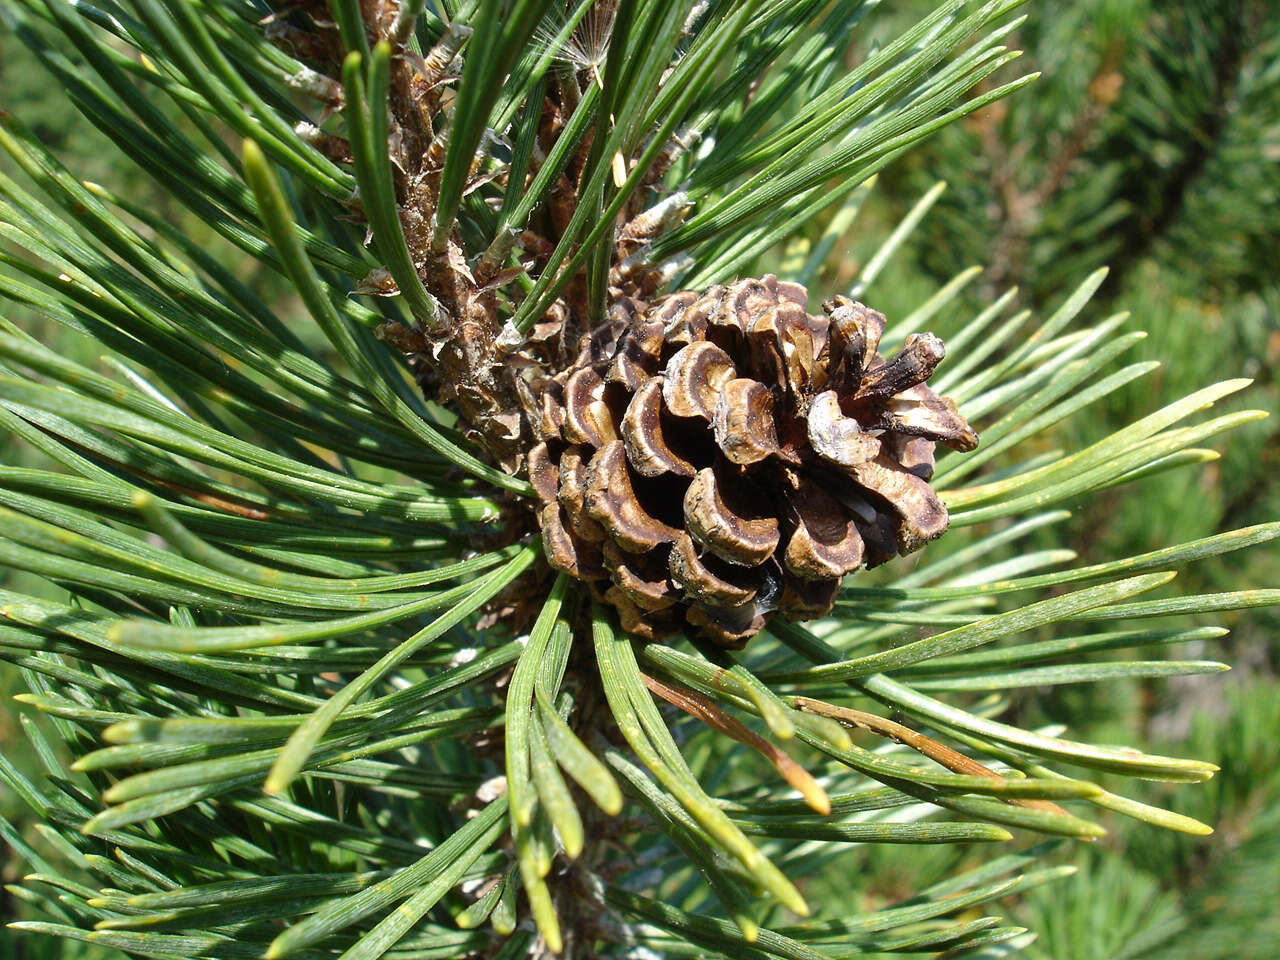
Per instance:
x=338, y=678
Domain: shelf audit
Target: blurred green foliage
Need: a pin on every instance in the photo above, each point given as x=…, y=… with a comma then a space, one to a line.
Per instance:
x=1150, y=144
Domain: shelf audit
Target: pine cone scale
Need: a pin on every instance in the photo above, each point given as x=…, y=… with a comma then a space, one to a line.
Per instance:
x=612, y=502
x=586, y=415
x=693, y=574
x=731, y=530
x=572, y=493
x=825, y=543
x=648, y=450
x=744, y=429
x=922, y=517
x=693, y=378
x=837, y=438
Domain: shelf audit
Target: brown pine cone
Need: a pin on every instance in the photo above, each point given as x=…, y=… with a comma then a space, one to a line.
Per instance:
x=719, y=456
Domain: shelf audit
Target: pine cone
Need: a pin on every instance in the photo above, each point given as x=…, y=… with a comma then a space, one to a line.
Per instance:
x=719, y=456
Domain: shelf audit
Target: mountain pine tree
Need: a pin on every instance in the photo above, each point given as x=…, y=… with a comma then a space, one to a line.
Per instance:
x=484, y=452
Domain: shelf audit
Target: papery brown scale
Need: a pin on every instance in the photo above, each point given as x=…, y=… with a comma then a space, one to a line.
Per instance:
x=587, y=416
x=564, y=551
x=746, y=300
x=698, y=577
x=743, y=425
x=920, y=412
x=914, y=454
x=729, y=627
x=921, y=517
x=571, y=491
x=725, y=516
x=670, y=310
x=544, y=473
x=838, y=438
x=638, y=356
x=550, y=422
x=693, y=378
x=824, y=543
x=853, y=337
x=612, y=502
x=793, y=292
x=879, y=533
x=642, y=577
x=808, y=599
x=910, y=366
x=635, y=620
x=691, y=325
x=648, y=450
